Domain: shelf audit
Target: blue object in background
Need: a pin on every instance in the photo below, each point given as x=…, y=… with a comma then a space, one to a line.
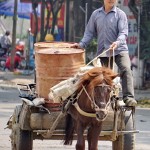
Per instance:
x=60, y=35
x=31, y=51
x=24, y=9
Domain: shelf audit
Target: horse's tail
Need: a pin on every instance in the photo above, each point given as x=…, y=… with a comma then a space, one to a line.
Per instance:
x=69, y=130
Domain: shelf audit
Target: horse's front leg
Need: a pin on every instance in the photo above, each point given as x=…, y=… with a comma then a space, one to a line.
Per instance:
x=93, y=136
x=80, y=145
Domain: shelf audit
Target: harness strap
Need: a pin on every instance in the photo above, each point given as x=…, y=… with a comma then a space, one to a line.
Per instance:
x=92, y=102
x=83, y=112
x=74, y=102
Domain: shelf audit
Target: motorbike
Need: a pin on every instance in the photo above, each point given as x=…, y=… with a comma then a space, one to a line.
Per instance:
x=3, y=58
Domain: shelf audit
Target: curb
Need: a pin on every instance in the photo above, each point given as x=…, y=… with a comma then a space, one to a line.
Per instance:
x=8, y=86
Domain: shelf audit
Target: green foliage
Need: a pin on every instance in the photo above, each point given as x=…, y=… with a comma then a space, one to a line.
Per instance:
x=92, y=46
x=91, y=50
x=144, y=103
x=145, y=40
x=101, y=1
x=23, y=36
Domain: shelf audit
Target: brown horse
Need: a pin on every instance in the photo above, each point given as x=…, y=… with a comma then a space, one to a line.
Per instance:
x=90, y=107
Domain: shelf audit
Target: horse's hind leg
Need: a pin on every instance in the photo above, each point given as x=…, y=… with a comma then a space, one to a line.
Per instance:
x=80, y=138
x=92, y=137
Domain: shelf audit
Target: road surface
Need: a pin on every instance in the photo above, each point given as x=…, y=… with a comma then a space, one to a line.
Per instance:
x=9, y=99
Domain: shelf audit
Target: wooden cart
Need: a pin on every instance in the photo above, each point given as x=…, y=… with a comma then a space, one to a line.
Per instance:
x=56, y=62
x=30, y=122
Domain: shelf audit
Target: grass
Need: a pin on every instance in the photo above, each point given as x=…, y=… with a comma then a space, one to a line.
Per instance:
x=144, y=103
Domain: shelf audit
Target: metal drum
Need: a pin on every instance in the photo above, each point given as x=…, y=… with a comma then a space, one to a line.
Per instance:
x=55, y=64
x=44, y=45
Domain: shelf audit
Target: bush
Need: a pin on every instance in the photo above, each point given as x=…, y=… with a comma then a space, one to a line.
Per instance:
x=91, y=50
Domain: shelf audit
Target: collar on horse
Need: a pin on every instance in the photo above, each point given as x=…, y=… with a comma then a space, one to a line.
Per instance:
x=83, y=112
x=75, y=103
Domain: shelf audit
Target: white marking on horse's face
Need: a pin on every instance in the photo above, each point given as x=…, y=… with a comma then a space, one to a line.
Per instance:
x=101, y=115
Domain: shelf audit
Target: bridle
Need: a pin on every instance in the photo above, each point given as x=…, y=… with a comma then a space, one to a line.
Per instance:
x=94, y=106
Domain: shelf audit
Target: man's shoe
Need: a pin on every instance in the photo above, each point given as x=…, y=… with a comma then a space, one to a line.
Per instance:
x=130, y=102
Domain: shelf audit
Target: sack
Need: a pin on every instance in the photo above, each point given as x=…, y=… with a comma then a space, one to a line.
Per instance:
x=63, y=90
x=66, y=88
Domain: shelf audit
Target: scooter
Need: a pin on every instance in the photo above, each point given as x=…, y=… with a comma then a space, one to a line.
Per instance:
x=3, y=58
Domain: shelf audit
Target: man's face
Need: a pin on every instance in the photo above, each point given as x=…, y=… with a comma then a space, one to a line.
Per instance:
x=110, y=3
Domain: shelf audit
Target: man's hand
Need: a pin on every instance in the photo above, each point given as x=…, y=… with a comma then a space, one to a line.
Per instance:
x=113, y=46
x=75, y=45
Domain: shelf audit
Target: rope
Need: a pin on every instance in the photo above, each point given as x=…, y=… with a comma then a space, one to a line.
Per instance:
x=50, y=132
x=98, y=56
x=113, y=68
x=109, y=49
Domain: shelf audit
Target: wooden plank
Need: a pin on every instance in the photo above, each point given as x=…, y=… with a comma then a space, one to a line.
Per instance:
x=45, y=121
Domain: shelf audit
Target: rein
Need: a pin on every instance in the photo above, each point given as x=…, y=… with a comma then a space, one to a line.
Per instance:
x=109, y=49
x=96, y=108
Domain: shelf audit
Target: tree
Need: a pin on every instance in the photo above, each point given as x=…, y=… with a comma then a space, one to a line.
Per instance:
x=34, y=6
x=80, y=14
x=55, y=7
x=78, y=19
x=14, y=35
x=79, y=23
x=52, y=7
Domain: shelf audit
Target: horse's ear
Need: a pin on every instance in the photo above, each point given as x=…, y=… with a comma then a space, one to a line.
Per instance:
x=114, y=76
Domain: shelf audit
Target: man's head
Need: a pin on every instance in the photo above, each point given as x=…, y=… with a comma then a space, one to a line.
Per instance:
x=110, y=3
x=7, y=33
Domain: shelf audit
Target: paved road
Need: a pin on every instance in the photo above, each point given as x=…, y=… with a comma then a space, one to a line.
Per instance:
x=9, y=99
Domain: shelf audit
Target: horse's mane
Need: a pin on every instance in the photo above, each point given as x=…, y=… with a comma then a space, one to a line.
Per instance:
x=95, y=76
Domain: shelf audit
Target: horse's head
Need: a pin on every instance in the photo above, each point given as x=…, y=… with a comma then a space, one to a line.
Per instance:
x=98, y=83
x=101, y=100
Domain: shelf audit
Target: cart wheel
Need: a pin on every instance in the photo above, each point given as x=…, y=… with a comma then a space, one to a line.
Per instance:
x=126, y=141
x=20, y=139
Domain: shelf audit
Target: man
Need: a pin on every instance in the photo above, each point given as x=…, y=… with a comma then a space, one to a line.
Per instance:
x=5, y=42
x=17, y=61
x=110, y=25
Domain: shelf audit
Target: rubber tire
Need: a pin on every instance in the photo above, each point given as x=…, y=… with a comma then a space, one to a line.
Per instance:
x=20, y=139
x=125, y=141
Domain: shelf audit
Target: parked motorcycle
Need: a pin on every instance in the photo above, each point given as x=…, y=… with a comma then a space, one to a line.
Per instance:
x=3, y=58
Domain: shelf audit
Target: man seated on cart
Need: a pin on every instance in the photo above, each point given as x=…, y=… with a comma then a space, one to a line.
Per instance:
x=110, y=24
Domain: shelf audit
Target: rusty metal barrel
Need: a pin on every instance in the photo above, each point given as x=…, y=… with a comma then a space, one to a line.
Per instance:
x=44, y=45
x=55, y=63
